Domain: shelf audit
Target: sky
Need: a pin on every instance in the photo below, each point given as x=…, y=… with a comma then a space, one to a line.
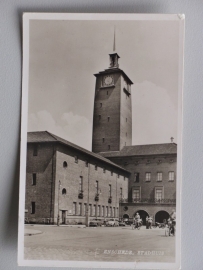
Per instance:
x=65, y=55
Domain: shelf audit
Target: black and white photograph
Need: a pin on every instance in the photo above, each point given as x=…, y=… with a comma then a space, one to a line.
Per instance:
x=101, y=140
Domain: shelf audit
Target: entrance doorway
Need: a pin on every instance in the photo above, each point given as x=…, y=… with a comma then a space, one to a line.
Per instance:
x=143, y=214
x=161, y=215
x=63, y=216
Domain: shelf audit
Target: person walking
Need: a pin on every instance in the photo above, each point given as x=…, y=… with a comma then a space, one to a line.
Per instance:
x=150, y=220
x=147, y=224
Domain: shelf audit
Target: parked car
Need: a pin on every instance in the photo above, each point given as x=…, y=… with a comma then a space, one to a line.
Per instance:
x=129, y=222
x=96, y=222
x=112, y=222
x=122, y=223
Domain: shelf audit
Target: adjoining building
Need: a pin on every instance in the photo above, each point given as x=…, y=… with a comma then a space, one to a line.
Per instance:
x=67, y=183
x=66, y=180
x=152, y=183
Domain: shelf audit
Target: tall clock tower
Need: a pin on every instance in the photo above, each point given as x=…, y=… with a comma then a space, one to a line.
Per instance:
x=112, y=119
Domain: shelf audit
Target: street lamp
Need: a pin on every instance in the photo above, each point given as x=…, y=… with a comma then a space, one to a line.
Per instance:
x=58, y=218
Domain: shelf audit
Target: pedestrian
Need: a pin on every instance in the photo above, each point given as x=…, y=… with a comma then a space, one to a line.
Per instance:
x=150, y=220
x=147, y=224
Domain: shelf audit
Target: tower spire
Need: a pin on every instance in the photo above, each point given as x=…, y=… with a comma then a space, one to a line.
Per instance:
x=114, y=56
x=114, y=40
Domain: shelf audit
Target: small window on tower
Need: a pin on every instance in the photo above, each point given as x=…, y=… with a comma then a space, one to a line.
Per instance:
x=100, y=117
x=109, y=147
x=100, y=105
x=103, y=139
x=35, y=150
x=34, y=179
x=108, y=118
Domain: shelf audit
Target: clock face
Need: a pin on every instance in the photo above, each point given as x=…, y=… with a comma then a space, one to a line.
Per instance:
x=108, y=80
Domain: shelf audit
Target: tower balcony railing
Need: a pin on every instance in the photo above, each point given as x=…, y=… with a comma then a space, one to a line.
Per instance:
x=149, y=201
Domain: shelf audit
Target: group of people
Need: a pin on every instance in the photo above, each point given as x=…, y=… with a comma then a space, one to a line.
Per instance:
x=137, y=221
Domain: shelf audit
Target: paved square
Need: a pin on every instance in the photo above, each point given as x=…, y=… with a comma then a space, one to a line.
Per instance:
x=99, y=244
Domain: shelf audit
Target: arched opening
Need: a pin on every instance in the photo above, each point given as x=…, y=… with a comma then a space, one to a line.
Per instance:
x=65, y=164
x=126, y=217
x=143, y=214
x=63, y=191
x=161, y=215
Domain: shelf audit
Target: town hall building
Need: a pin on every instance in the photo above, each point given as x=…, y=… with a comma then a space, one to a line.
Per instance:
x=67, y=184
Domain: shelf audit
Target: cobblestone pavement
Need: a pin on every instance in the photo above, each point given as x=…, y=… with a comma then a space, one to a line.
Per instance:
x=99, y=244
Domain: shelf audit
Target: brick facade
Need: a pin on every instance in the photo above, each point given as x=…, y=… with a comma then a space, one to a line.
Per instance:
x=112, y=118
x=57, y=162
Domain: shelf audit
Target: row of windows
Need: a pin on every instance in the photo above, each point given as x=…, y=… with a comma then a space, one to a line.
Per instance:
x=102, y=211
x=94, y=210
x=108, y=117
x=159, y=176
x=159, y=193
x=97, y=190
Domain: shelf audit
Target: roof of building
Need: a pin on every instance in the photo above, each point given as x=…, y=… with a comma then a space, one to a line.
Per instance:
x=46, y=137
x=142, y=150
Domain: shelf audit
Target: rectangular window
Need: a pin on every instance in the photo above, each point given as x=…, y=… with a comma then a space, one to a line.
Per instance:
x=100, y=117
x=136, y=195
x=94, y=210
x=74, y=208
x=102, y=213
x=171, y=176
x=108, y=118
x=90, y=210
x=109, y=147
x=148, y=176
x=109, y=190
x=121, y=193
x=114, y=212
x=159, y=176
x=97, y=186
x=81, y=183
x=35, y=150
x=32, y=207
x=110, y=214
x=107, y=211
x=98, y=211
x=80, y=209
x=100, y=105
x=136, y=177
x=158, y=194
x=85, y=209
x=34, y=179
x=103, y=140
x=76, y=159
